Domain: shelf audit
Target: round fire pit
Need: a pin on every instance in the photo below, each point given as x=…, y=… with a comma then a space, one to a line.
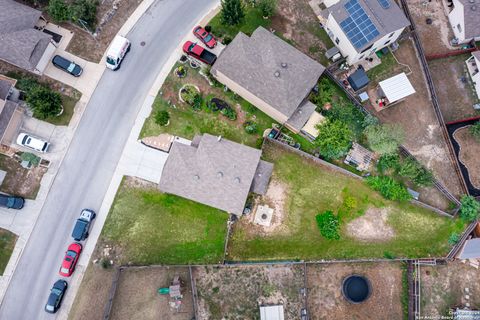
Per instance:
x=356, y=288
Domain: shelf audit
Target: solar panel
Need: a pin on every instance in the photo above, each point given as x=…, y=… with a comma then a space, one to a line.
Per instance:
x=384, y=3
x=358, y=27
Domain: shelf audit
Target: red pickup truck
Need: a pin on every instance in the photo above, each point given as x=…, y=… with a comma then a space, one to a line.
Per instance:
x=199, y=52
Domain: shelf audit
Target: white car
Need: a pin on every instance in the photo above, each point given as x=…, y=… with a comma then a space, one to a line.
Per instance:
x=33, y=143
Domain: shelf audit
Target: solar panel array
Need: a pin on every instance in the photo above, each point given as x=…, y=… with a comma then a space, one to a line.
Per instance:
x=358, y=27
x=384, y=3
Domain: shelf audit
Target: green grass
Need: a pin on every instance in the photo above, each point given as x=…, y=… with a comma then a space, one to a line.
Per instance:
x=7, y=243
x=312, y=189
x=253, y=19
x=150, y=227
x=68, y=104
x=385, y=69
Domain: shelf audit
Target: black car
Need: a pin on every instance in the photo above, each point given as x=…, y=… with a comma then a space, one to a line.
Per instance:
x=56, y=295
x=82, y=225
x=11, y=202
x=67, y=66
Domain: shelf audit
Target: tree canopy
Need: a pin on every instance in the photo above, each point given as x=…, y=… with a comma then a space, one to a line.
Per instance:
x=334, y=139
x=384, y=138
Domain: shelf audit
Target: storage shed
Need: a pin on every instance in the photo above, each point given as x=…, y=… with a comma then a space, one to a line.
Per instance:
x=396, y=87
x=271, y=312
x=358, y=79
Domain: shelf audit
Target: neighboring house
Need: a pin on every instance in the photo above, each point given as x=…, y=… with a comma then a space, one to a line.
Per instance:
x=359, y=28
x=473, y=66
x=20, y=43
x=270, y=74
x=216, y=172
x=465, y=20
x=11, y=114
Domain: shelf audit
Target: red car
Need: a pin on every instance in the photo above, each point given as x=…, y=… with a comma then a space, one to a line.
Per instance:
x=205, y=37
x=199, y=53
x=71, y=259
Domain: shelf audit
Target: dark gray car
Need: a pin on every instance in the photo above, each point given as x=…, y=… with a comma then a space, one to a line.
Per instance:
x=11, y=202
x=56, y=296
x=67, y=66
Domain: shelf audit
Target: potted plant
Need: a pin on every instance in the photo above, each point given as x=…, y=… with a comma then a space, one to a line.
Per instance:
x=181, y=72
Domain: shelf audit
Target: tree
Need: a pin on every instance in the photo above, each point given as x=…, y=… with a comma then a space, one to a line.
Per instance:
x=232, y=12
x=413, y=170
x=85, y=10
x=58, y=10
x=334, y=139
x=267, y=7
x=470, y=209
x=475, y=130
x=384, y=139
x=44, y=102
x=162, y=117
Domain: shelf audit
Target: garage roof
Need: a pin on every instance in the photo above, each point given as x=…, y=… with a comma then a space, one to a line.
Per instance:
x=397, y=87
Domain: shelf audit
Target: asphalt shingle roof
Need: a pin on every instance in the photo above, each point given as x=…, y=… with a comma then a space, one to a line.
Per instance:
x=471, y=18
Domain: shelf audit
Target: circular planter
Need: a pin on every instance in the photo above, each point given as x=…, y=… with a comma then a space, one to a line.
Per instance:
x=180, y=74
x=356, y=288
x=183, y=59
x=194, y=65
x=183, y=88
x=61, y=112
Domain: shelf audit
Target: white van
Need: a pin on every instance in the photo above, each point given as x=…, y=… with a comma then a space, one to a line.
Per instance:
x=117, y=51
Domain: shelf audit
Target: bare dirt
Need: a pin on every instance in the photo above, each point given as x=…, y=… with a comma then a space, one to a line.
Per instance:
x=469, y=151
x=436, y=36
x=137, y=297
x=444, y=287
x=372, y=226
x=20, y=181
x=456, y=97
x=237, y=292
x=423, y=134
x=325, y=299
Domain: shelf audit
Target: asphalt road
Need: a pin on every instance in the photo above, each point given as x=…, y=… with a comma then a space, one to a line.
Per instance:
x=89, y=164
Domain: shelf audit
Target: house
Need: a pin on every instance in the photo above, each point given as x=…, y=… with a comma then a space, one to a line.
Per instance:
x=473, y=66
x=11, y=114
x=464, y=18
x=216, y=172
x=359, y=28
x=270, y=74
x=20, y=43
x=271, y=312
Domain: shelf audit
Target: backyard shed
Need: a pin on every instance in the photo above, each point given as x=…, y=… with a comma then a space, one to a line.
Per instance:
x=359, y=156
x=396, y=87
x=358, y=79
x=271, y=312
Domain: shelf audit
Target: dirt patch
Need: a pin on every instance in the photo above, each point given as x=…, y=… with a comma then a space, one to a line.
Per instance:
x=469, y=151
x=456, y=97
x=444, y=287
x=20, y=181
x=237, y=292
x=372, y=226
x=423, y=134
x=436, y=36
x=137, y=297
x=325, y=299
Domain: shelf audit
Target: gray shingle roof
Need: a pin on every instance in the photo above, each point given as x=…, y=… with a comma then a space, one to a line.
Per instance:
x=6, y=115
x=269, y=68
x=262, y=177
x=471, y=249
x=5, y=87
x=385, y=20
x=20, y=43
x=471, y=18
x=218, y=173
x=476, y=54
x=301, y=115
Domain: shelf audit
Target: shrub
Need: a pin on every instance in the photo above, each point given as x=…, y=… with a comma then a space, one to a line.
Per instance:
x=328, y=223
x=388, y=161
x=389, y=255
x=267, y=7
x=388, y=188
x=188, y=94
x=413, y=170
x=27, y=84
x=197, y=102
x=85, y=10
x=346, y=112
x=44, y=102
x=384, y=139
x=453, y=239
x=251, y=127
x=470, y=209
x=58, y=10
x=334, y=139
x=232, y=12
x=226, y=41
x=162, y=117
x=475, y=130
x=229, y=113
x=370, y=120
x=31, y=158
x=208, y=28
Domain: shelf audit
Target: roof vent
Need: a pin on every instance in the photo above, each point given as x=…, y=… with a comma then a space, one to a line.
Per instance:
x=284, y=65
x=219, y=174
x=237, y=180
x=196, y=177
x=471, y=1
x=277, y=74
x=473, y=7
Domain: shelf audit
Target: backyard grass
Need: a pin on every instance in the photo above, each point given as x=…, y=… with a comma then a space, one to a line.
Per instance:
x=7, y=243
x=186, y=122
x=150, y=227
x=387, y=68
x=312, y=189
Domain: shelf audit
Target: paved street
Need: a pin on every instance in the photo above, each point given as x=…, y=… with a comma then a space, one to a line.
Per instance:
x=87, y=169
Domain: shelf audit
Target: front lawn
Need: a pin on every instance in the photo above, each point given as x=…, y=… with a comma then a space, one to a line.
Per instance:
x=68, y=104
x=311, y=189
x=187, y=122
x=150, y=227
x=7, y=243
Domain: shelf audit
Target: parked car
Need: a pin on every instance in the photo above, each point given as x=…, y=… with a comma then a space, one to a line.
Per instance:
x=70, y=260
x=56, y=296
x=82, y=226
x=11, y=202
x=67, y=66
x=34, y=143
x=117, y=51
x=204, y=36
x=199, y=52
